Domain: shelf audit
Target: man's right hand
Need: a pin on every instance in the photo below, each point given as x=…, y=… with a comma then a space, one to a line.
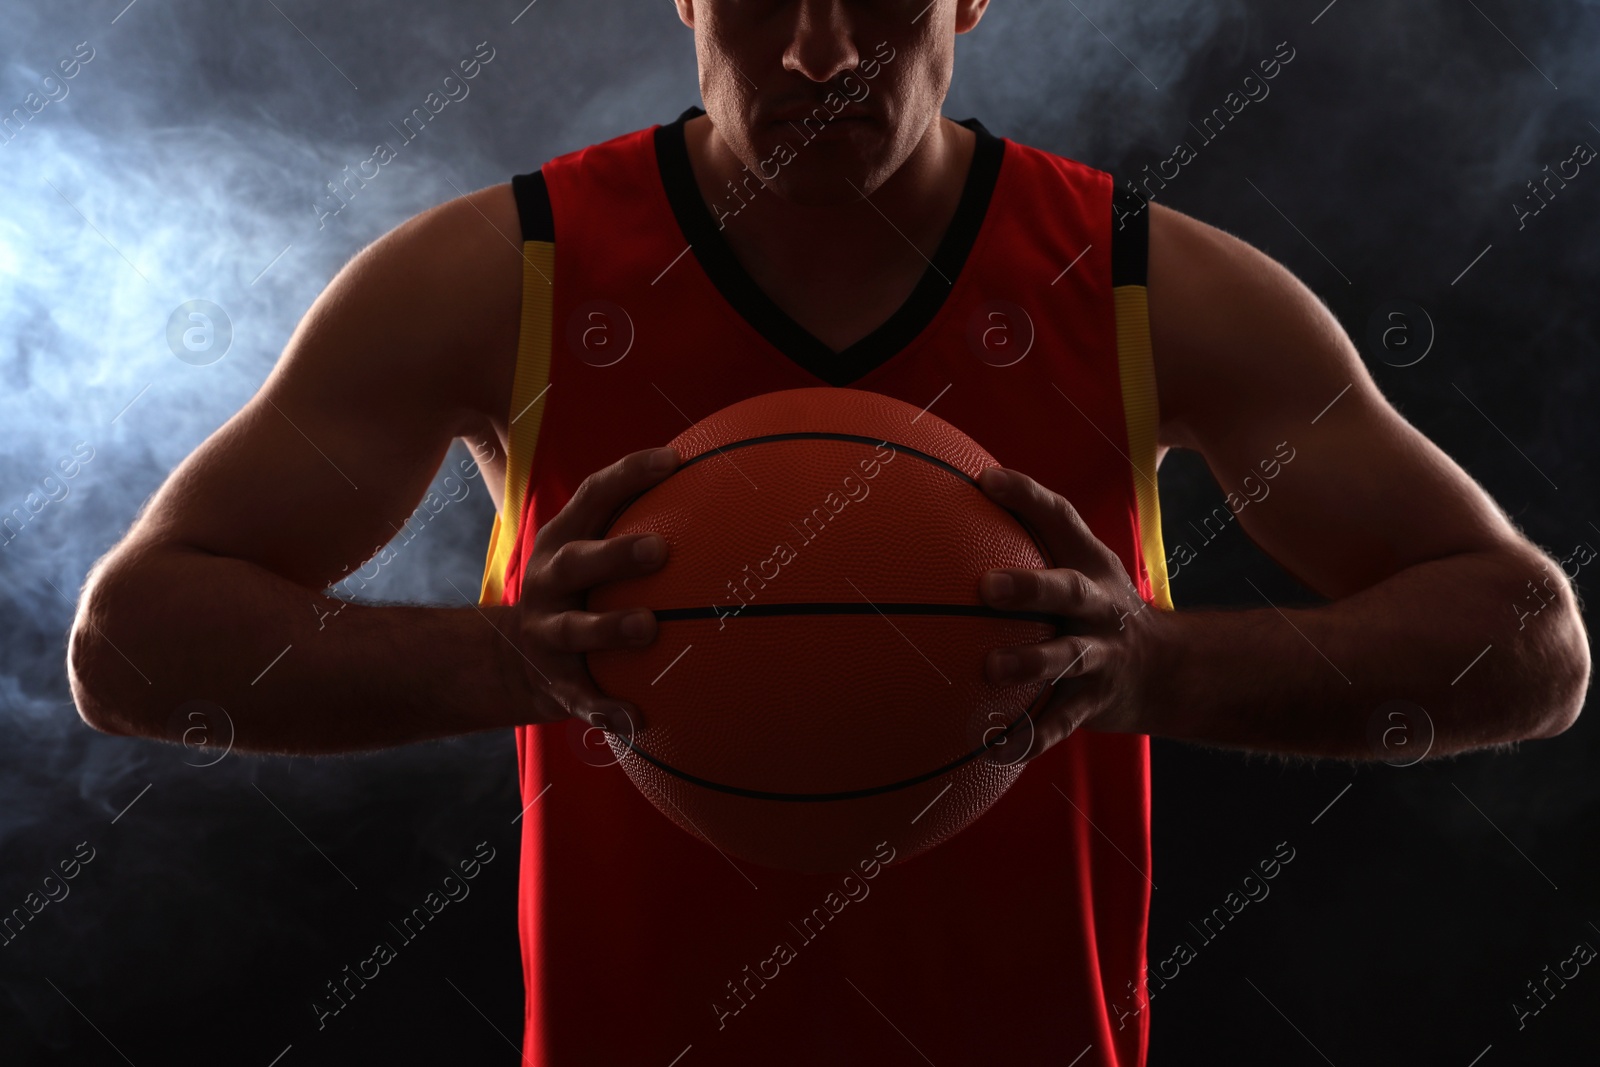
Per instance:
x=549, y=628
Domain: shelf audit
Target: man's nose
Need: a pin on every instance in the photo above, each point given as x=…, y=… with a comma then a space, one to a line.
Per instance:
x=823, y=44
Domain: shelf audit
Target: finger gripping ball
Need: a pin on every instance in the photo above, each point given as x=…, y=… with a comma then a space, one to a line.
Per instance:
x=816, y=686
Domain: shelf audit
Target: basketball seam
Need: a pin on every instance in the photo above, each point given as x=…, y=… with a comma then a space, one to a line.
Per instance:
x=821, y=607
x=824, y=435
x=848, y=794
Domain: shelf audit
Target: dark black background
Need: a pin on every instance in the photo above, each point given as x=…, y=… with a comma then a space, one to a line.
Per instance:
x=193, y=146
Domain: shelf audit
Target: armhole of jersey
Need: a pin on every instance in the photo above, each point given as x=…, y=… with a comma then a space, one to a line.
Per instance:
x=1130, y=257
x=532, y=376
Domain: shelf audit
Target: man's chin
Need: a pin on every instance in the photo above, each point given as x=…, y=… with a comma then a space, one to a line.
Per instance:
x=823, y=178
x=834, y=189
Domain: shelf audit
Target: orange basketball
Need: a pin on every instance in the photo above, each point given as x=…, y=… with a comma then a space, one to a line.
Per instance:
x=816, y=685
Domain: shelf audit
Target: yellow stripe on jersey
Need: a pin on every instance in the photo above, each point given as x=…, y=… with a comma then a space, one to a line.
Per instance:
x=527, y=409
x=1141, y=410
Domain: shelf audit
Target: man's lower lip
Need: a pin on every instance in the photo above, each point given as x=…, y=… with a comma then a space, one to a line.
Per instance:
x=832, y=121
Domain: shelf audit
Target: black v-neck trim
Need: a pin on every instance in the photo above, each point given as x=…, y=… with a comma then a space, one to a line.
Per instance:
x=772, y=322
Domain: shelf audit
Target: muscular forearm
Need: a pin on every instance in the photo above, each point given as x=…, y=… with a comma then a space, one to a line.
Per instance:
x=295, y=672
x=1309, y=681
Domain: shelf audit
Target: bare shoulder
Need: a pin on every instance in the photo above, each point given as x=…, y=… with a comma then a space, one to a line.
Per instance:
x=430, y=312
x=1222, y=313
x=431, y=308
x=467, y=253
x=483, y=232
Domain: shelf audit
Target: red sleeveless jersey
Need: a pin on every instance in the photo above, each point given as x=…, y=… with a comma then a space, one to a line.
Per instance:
x=1022, y=939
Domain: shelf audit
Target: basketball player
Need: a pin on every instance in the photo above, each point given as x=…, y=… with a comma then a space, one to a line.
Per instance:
x=821, y=223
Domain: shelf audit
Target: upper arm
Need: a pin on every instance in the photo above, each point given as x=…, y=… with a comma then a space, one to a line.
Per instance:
x=331, y=456
x=1252, y=367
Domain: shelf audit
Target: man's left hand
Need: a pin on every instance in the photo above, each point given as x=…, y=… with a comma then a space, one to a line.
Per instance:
x=1108, y=648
